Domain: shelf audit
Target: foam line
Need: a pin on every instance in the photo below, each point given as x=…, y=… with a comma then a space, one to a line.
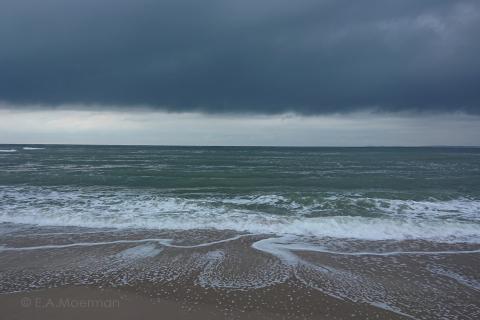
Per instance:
x=392, y=253
x=65, y=233
x=208, y=243
x=82, y=244
x=164, y=242
x=370, y=253
x=283, y=250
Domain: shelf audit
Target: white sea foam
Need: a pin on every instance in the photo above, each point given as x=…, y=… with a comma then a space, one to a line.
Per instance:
x=163, y=242
x=458, y=208
x=138, y=252
x=32, y=148
x=8, y=150
x=462, y=279
x=83, y=244
x=132, y=209
x=262, y=200
x=338, y=227
x=284, y=248
x=222, y=270
x=463, y=208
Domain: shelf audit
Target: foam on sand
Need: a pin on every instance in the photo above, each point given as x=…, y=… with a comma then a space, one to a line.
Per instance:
x=138, y=252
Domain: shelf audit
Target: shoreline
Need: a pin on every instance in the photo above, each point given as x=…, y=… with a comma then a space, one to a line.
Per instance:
x=221, y=274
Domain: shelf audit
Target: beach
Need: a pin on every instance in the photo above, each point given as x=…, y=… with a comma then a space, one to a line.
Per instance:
x=223, y=275
x=82, y=302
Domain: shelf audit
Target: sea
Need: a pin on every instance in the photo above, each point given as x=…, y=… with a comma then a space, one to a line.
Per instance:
x=357, y=193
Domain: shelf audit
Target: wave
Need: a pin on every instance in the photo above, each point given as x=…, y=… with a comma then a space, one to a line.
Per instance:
x=8, y=150
x=334, y=227
x=355, y=204
x=453, y=220
x=32, y=148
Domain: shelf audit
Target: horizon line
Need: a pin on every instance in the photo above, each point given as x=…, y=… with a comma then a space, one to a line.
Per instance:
x=239, y=146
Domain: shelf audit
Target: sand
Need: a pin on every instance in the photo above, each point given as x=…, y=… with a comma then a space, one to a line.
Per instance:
x=60, y=273
x=95, y=303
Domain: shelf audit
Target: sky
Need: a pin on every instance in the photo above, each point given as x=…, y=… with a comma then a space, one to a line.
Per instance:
x=231, y=72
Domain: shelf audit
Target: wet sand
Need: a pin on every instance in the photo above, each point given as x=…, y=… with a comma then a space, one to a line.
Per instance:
x=54, y=273
x=95, y=303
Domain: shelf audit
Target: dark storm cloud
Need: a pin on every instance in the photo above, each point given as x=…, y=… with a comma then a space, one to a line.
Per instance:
x=269, y=56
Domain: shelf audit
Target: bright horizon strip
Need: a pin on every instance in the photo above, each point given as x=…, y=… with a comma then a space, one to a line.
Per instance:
x=146, y=127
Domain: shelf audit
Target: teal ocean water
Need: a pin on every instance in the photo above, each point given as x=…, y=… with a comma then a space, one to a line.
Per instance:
x=348, y=193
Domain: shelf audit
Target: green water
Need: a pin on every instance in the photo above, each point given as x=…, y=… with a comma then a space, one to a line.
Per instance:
x=415, y=172
x=71, y=184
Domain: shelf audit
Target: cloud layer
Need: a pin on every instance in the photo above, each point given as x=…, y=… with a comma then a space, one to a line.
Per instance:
x=265, y=56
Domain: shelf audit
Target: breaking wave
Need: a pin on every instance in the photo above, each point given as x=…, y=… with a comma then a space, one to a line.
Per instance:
x=453, y=220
